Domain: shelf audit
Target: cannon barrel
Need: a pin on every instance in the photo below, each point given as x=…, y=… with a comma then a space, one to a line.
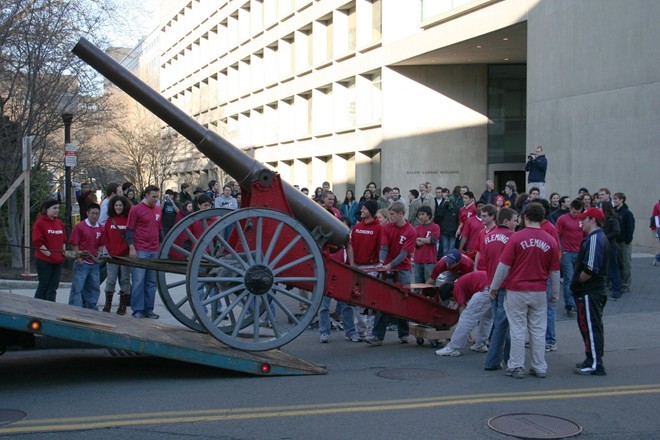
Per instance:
x=233, y=160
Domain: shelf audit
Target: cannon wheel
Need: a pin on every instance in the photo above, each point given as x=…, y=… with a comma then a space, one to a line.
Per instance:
x=257, y=274
x=179, y=308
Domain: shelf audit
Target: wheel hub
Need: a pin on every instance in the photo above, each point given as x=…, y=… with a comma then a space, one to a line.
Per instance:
x=258, y=279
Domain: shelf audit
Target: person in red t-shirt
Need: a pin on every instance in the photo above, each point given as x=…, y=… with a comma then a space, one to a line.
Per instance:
x=655, y=226
x=117, y=246
x=470, y=233
x=49, y=237
x=487, y=216
x=455, y=262
x=471, y=290
x=467, y=210
x=397, y=245
x=143, y=232
x=87, y=239
x=569, y=228
x=363, y=249
x=490, y=252
x=530, y=257
x=426, y=254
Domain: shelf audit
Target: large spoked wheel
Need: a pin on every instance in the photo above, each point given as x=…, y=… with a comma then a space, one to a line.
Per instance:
x=256, y=279
x=178, y=245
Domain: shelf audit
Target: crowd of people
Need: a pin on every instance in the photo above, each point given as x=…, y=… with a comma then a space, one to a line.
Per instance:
x=501, y=259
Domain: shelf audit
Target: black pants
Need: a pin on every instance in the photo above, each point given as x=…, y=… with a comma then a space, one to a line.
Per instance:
x=49, y=280
x=590, y=321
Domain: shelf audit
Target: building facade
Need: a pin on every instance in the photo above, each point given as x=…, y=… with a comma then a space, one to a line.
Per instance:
x=401, y=92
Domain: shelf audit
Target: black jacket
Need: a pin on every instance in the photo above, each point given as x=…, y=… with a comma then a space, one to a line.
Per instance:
x=593, y=260
x=446, y=216
x=536, y=169
x=627, y=224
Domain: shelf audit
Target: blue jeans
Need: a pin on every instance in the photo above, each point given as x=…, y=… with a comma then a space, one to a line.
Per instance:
x=422, y=272
x=448, y=243
x=85, y=286
x=613, y=273
x=568, y=260
x=346, y=317
x=143, y=290
x=500, y=344
x=550, y=332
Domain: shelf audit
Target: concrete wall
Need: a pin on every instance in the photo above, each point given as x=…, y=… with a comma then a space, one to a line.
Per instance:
x=434, y=126
x=593, y=94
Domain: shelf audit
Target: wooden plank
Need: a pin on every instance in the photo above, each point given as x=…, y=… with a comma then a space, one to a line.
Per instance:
x=143, y=336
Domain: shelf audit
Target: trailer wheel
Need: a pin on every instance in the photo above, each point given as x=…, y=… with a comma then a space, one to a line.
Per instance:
x=419, y=340
x=434, y=343
x=171, y=287
x=247, y=275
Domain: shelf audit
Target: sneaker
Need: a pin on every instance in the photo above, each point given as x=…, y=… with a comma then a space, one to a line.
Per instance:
x=362, y=338
x=539, y=374
x=479, y=347
x=550, y=347
x=403, y=339
x=589, y=371
x=374, y=341
x=138, y=315
x=616, y=295
x=448, y=351
x=352, y=338
x=325, y=338
x=570, y=313
x=516, y=373
x=151, y=315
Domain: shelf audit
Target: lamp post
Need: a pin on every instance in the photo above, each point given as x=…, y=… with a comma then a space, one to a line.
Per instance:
x=68, y=106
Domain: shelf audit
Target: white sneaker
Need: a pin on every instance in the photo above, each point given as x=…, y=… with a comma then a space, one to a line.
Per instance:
x=447, y=351
x=479, y=347
x=325, y=338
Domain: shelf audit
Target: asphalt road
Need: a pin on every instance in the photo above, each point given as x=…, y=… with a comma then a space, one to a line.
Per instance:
x=394, y=391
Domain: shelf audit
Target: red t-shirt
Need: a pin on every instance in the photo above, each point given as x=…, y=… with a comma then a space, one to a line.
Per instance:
x=532, y=254
x=466, y=265
x=49, y=233
x=145, y=222
x=469, y=284
x=570, y=233
x=427, y=252
x=115, y=233
x=491, y=250
x=398, y=238
x=87, y=238
x=466, y=212
x=365, y=241
x=655, y=213
x=548, y=227
x=471, y=231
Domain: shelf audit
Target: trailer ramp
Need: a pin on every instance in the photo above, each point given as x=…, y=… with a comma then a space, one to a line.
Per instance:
x=145, y=336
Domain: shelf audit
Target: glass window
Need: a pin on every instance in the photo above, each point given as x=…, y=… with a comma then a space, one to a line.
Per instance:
x=507, y=112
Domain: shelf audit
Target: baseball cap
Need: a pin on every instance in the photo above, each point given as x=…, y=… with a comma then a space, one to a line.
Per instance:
x=453, y=256
x=593, y=213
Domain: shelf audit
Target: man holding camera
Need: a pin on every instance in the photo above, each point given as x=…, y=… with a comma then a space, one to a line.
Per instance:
x=536, y=166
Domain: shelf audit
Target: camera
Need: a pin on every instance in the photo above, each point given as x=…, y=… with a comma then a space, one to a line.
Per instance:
x=531, y=156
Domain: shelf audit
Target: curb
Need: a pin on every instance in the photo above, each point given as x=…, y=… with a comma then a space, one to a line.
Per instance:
x=20, y=284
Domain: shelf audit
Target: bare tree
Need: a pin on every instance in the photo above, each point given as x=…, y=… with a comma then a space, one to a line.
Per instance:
x=36, y=70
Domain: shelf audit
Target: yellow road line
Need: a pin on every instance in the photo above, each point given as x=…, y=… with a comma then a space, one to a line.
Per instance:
x=214, y=415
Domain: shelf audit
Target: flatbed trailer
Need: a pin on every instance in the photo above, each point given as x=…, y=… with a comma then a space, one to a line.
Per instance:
x=145, y=336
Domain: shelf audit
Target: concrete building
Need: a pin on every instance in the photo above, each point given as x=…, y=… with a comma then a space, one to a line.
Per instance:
x=402, y=92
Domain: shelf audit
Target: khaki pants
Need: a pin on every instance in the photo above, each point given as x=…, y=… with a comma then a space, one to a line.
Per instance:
x=527, y=312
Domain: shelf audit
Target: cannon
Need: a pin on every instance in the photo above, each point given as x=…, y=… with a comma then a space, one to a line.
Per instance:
x=250, y=270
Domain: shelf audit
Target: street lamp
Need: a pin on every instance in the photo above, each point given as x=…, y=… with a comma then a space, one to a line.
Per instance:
x=68, y=107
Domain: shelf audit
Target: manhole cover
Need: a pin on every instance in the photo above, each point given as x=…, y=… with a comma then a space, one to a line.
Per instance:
x=533, y=426
x=412, y=374
x=10, y=416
